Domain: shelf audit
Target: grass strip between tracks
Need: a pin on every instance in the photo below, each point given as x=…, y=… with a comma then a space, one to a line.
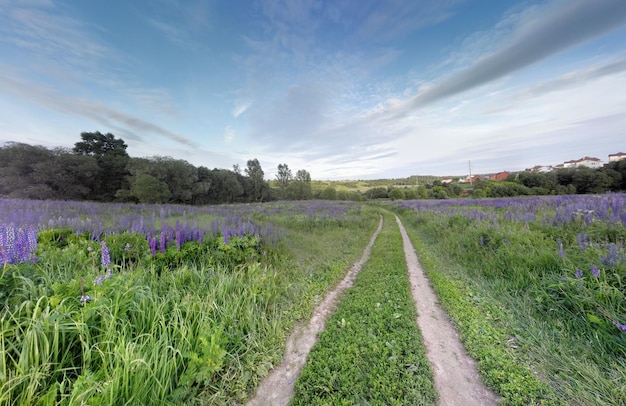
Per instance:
x=371, y=350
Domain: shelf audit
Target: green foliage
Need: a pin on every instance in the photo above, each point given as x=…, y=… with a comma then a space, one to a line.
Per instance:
x=55, y=237
x=529, y=298
x=330, y=193
x=148, y=189
x=126, y=249
x=396, y=194
x=371, y=350
x=377, y=193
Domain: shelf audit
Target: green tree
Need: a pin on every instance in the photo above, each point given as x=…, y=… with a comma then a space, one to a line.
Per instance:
x=283, y=178
x=18, y=163
x=225, y=187
x=148, y=189
x=255, y=174
x=396, y=194
x=300, y=188
x=68, y=176
x=329, y=193
x=202, y=186
x=112, y=158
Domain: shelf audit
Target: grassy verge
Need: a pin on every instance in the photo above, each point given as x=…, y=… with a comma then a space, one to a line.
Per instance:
x=537, y=302
x=371, y=350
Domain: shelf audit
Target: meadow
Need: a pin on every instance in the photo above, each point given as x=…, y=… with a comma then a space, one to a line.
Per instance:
x=132, y=304
x=536, y=287
x=165, y=304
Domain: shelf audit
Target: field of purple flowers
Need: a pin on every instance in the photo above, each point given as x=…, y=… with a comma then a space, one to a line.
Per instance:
x=159, y=304
x=556, y=267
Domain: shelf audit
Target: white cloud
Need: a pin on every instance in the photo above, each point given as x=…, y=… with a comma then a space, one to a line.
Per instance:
x=229, y=134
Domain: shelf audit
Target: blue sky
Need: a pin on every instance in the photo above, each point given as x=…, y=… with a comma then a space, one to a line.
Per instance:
x=346, y=89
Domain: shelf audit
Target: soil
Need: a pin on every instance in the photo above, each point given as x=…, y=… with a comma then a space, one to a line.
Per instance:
x=277, y=388
x=456, y=378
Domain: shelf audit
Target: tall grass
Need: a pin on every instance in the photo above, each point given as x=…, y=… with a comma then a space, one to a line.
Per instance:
x=199, y=325
x=554, y=269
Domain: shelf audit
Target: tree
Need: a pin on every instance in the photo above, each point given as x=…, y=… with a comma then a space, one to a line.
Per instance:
x=68, y=176
x=396, y=194
x=300, y=188
x=255, y=174
x=202, y=186
x=283, y=177
x=148, y=189
x=111, y=156
x=18, y=163
x=225, y=186
x=178, y=175
x=329, y=193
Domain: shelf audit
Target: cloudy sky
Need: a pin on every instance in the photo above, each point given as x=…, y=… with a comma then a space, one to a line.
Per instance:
x=346, y=89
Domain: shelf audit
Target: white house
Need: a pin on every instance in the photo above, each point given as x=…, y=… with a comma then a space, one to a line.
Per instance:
x=587, y=161
x=617, y=157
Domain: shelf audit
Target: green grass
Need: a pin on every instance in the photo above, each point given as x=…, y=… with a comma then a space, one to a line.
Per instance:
x=200, y=332
x=371, y=350
x=534, y=327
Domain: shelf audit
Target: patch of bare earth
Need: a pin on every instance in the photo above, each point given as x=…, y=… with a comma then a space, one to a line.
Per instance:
x=277, y=388
x=456, y=378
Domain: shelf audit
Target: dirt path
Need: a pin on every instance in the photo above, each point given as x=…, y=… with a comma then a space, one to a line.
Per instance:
x=277, y=388
x=456, y=378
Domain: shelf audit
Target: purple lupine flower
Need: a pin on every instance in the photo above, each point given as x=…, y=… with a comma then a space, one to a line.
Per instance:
x=579, y=273
x=127, y=247
x=85, y=298
x=99, y=280
x=152, y=243
x=620, y=326
x=612, y=257
x=595, y=271
x=162, y=243
x=105, y=257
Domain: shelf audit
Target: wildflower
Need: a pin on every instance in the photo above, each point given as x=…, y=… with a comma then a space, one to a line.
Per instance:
x=108, y=276
x=620, y=326
x=106, y=259
x=612, y=257
x=127, y=247
x=89, y=249
x=579, y=273
x=85, y=298
x=595, y=271
x=99, y=280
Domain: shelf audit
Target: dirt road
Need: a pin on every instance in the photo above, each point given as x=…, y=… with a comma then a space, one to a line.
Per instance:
x=456, y=378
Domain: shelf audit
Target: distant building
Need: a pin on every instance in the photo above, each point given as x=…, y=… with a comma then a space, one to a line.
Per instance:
x=586, y=161
x=446, y=180
x=499, y=176
x=540, y=169
x=470, y=179
x=617, y=157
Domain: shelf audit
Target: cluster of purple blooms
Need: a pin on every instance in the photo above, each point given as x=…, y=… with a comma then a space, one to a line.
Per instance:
x=17, y=245
x=105, y=260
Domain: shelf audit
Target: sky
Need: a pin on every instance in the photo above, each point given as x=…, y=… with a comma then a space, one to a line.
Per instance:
x=345, y=89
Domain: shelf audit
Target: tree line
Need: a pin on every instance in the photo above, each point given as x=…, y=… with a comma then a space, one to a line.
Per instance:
x=98, y=168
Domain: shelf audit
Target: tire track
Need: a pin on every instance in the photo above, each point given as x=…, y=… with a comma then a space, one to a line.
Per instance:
x=456, y=378
x=277, y=388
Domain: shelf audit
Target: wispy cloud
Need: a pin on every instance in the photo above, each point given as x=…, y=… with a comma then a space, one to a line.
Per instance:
x=560, y=27
x=131, y=126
